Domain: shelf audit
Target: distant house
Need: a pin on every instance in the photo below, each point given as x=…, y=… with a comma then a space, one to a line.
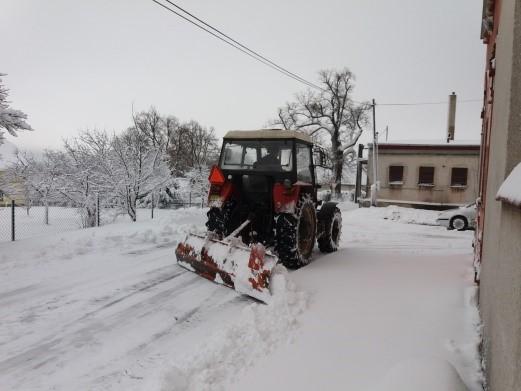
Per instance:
x=428, y=174
x=8, y=156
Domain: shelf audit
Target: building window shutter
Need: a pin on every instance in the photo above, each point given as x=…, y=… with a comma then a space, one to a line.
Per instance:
x=459, y=176
x=426, y=176
x=395, y=174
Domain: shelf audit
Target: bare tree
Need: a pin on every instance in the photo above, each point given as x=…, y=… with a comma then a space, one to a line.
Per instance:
x=192, y=146
x=331, y=111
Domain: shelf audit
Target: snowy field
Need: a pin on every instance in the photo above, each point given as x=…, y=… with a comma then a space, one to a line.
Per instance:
x=31, y=223
x=108, y=309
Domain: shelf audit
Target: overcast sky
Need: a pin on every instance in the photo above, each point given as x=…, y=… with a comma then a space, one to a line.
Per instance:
x=75, y=64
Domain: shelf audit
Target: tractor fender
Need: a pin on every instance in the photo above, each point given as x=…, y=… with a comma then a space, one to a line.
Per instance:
x=285, y=200
x=327, y=207
x=218, y=195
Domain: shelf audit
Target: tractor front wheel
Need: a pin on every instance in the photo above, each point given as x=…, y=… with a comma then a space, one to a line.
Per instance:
x=295, y=234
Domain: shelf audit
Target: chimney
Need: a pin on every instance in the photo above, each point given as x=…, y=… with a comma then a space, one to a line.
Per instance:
x=451, y=126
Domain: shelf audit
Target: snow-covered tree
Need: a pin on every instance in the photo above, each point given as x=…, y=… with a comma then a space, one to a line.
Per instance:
x=330, y=111
x=36, y=179
x=125, y=170
x=139, y=167
x=88, y=172
x=11, y=120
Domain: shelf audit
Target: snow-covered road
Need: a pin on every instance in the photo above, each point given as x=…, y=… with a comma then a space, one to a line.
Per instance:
x=108, y=309
x=98, y=308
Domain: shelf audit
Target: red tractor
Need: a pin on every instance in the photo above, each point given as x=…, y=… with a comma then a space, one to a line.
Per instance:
x=263, y=195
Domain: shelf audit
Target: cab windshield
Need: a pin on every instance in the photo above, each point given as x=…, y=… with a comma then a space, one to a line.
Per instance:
x=257, y=155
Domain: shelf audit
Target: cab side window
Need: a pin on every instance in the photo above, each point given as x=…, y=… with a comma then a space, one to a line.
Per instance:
x=303, y=163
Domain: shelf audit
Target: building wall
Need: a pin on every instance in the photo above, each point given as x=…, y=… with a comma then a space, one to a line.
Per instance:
x=500, y=276
x=443, y=161
x=6, y=196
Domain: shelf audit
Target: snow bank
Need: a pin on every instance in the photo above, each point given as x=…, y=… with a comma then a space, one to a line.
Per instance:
x=510, y=190
x=395, y=213
x=423, y=373
x=409, y=215
x=255, y=333
x=467, y=356
x=167, y=228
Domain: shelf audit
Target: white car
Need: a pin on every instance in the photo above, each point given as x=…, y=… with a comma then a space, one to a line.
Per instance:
x=461, y=219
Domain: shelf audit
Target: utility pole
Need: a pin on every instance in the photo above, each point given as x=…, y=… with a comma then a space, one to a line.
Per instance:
x=374, y=187
x=358, y=184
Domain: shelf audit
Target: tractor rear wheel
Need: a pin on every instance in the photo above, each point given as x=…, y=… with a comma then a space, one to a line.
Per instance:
x=219, y=219
x=330, y=223
x=296, y=233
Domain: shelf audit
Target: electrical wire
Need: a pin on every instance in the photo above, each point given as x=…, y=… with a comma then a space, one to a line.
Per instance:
x=266, y=61
x=235, y=44
x=244, y=46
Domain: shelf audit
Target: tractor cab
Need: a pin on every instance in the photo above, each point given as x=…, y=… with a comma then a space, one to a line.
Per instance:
x=263, y=167
x=264, y=191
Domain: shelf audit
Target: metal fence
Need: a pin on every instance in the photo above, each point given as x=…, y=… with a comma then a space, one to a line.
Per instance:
x=22, y=222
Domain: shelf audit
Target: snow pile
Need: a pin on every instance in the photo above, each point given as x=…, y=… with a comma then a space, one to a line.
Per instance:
x=467, y=356
x=410, y=215
x=396, y=213
x=425, y=374
x=167, y=228
x=433, y=373
x=255, y=333
x=510, y=190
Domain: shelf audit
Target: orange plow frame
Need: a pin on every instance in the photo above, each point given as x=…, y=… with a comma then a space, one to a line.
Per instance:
x=230, y=263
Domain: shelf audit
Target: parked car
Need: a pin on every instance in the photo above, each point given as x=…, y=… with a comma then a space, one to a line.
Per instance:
x=461, y=219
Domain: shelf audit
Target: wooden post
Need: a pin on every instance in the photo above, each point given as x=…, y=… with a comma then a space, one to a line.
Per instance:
x=12, y=220
x=152, y=209
x=358, y=185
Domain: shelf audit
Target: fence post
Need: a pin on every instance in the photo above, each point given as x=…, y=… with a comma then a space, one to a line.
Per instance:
x=152, y=210
x=46, y=212
x=12, y=221
x=97, y=210
x=190, y=199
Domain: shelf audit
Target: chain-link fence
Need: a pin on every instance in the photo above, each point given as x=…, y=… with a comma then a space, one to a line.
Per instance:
x=22, y=222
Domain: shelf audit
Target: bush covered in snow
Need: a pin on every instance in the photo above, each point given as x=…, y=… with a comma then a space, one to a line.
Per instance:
x=140, y=166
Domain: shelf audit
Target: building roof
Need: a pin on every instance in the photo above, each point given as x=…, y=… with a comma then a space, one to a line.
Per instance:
x=268, y=134
x=429, y=144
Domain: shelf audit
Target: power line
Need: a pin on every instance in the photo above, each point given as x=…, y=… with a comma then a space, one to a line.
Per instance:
x=244, y=46
x=266, y=61
x=235, y=44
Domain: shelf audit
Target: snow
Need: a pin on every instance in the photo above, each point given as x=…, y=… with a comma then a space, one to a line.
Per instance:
x=421, y=373
x=510, y=190
x=256, y=332
x=108, y=309
x=392, y=294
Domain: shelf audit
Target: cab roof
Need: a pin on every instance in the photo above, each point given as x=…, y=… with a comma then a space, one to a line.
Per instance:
x=268, y=134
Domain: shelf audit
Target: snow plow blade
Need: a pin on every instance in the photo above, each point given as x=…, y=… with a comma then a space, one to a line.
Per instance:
x=233, y=264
